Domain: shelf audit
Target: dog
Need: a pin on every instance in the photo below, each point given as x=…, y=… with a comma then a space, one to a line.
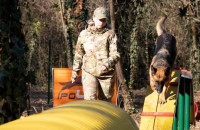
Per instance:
x=163, y=61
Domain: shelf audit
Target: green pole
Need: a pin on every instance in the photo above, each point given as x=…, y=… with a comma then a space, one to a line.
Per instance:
x=187, y=103
x=181, y=105
x=49, y=71
x=174, y=127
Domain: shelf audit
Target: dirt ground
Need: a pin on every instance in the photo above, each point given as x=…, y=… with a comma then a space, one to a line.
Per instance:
x=39, y=103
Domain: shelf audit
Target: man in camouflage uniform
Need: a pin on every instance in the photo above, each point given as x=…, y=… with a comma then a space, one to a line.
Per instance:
x=96, y=52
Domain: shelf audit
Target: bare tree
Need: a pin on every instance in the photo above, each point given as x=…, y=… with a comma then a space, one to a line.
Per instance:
x=69, y=56
x=125, y=91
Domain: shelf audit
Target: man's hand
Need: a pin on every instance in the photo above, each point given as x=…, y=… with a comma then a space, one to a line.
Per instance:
x=103, y=68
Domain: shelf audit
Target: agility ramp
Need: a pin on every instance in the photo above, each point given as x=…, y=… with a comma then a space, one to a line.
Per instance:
x=177, y=112
x=76, y=115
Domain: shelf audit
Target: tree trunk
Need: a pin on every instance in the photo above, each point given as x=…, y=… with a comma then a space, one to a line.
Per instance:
x=112, y=17
x=69, y=57
x=194, y=39
x=195, y=50
x=125, y=93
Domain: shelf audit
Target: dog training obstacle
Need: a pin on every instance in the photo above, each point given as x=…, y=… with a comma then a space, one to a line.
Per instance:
x=64, y=91
x=77, y=115
x=177, y=112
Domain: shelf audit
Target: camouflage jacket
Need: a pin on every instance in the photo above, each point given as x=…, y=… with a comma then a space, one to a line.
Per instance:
x=96, y=48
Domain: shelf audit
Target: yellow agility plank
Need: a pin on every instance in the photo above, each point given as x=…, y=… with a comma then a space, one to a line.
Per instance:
x=150, y=105
x=157, y=116
x=166, y=122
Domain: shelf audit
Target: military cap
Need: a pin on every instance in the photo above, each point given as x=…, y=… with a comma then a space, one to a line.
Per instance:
x=100, y=13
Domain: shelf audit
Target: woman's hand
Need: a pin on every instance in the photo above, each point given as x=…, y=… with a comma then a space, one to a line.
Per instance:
x=73, y=80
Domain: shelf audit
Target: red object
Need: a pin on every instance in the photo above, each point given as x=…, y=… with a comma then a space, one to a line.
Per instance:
x=178, y=68
x=195, y=109
x=173, y=84
x=165, y=114
x=187, y=71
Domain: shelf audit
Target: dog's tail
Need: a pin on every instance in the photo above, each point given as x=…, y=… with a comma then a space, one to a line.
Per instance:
x=159, y=27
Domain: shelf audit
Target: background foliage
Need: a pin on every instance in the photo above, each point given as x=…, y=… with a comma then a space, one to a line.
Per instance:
x=13, y=74
x=135, y=28
x=28, y=25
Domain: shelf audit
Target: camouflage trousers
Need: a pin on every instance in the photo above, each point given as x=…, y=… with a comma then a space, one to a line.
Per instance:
x=105, y=85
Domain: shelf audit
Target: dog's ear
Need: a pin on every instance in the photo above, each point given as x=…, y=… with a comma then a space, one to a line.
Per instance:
x=153, y=70
x=167, y=71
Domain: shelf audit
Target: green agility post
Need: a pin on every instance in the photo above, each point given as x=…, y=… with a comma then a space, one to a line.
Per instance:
x=49, y=71
x=187, y=104
x=174, y=127
x=181, y=105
